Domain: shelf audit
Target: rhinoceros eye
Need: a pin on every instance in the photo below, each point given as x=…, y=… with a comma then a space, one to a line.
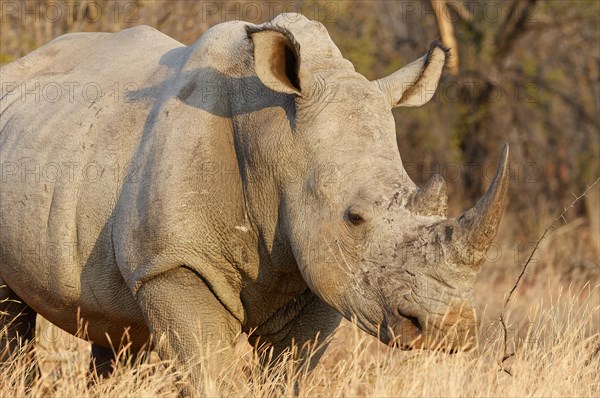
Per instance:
x=355, y=218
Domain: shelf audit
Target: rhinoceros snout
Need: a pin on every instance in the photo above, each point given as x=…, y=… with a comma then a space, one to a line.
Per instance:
x=455, y=331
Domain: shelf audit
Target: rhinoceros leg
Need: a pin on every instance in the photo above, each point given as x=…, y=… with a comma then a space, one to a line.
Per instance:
x=17, y=327
x=102, y=359
x=187, y=322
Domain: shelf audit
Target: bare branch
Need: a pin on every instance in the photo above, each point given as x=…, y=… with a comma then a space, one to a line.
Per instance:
x=462, y=11
x=503, y=319
x=513, y=26
x=446, y=33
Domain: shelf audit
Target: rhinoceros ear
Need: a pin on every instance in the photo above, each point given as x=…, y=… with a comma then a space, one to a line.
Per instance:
x=277, y=59
x=415, y=83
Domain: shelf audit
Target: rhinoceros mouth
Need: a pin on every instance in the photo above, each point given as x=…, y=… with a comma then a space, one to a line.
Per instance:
x=409, y=334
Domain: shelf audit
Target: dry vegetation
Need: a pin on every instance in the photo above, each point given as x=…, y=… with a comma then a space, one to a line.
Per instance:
x=554, y=317
x=553, y=328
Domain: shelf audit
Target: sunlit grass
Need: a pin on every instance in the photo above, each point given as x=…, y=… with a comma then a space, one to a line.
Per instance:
x=555, y=337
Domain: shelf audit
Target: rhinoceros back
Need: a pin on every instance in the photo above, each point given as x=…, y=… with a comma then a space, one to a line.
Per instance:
x=70, y=121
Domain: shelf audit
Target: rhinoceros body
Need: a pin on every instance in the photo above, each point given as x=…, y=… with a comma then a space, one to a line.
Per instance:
x=249, y=182
x=117, y=189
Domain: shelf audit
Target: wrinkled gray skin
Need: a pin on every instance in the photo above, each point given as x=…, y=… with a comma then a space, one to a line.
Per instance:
x=249, y=182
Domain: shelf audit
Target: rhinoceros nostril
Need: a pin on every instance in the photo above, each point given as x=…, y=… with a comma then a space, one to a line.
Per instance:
x=413, y=319
x=415, y=322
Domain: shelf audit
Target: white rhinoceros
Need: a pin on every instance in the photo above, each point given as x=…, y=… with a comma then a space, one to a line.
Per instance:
x=248, y=182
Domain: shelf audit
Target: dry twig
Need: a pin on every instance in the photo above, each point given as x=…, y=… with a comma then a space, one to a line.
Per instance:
x=503, y=319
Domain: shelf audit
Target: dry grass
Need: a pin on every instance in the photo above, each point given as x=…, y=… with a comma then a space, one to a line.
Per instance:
x=555, y=331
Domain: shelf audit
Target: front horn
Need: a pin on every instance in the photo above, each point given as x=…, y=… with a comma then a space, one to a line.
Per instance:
x=477, y=227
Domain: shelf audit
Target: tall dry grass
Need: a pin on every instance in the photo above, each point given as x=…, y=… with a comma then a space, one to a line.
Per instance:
x=553, y=329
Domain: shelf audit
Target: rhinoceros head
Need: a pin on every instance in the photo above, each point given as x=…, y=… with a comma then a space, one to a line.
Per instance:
x=366, y=239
